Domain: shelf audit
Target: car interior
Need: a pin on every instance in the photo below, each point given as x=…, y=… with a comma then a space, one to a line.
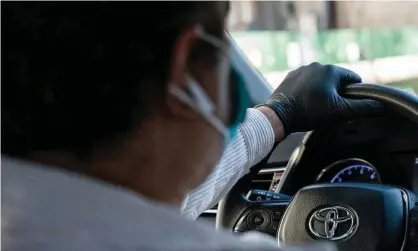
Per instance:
x=354, y=183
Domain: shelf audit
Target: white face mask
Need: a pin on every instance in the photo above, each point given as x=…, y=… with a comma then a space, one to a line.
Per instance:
x=197, y=99
x=195, y=96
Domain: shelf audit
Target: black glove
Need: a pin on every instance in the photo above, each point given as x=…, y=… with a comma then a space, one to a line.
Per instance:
x=308, y=98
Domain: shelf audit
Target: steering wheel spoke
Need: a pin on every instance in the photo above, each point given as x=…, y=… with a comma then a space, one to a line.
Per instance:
x=264, y=212
x=375, y=217
x=356, y=216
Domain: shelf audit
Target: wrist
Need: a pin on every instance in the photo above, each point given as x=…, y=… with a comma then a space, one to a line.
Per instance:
x=275, y=122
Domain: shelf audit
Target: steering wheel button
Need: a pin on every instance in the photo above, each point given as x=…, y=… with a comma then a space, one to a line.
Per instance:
x=277, y=215
x=258, y=220
x=250, y=220
x=273, y=228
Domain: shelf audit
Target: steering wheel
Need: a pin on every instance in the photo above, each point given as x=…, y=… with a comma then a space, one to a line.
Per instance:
x=357, y=216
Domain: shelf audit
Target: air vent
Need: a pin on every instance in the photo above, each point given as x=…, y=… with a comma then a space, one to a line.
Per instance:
x=262, y=181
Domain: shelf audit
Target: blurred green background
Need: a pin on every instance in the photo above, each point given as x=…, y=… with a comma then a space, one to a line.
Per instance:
x=271, y=51
x=379, y=40
x=330, y=46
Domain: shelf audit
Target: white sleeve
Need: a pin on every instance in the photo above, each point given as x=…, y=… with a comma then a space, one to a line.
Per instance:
x=254, y=141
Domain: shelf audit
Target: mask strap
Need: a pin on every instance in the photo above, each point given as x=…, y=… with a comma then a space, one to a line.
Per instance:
x=208, y=37
x=200, y=102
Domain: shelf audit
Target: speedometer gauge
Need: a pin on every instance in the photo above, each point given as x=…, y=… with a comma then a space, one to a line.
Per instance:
x=358, y=173
x=350, y=170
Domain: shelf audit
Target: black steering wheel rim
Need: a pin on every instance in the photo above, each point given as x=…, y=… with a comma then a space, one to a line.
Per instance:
x=397, y=100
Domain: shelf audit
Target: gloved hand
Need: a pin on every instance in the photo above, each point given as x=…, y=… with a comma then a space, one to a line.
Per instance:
x=308, y=98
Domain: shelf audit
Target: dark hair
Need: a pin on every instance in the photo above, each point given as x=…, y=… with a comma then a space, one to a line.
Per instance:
x=77, y=73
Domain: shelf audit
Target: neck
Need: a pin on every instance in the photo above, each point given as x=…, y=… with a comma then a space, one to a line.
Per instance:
x=148, y=180
x=149, y=162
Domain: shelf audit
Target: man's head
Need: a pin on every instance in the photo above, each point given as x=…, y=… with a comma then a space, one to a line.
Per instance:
x=86, y=87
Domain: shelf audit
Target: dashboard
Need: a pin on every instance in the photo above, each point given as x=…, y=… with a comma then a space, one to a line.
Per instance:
x=379, y=151
x=382, y=150
x=360, y=170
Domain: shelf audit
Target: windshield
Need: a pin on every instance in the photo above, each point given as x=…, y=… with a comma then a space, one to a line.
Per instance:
x=377, y=40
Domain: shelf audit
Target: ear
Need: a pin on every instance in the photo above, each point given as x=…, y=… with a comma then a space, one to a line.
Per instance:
x=179, y=68
x=181, y=51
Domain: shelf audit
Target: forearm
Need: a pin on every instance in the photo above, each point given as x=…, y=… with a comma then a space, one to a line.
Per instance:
x=259, y=132
x=254, y=141
x=275, y=122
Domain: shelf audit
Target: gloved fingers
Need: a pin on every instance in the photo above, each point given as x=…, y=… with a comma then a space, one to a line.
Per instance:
x=346, y=76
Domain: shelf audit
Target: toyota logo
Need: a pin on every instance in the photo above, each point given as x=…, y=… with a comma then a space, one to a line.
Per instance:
x=333, y=223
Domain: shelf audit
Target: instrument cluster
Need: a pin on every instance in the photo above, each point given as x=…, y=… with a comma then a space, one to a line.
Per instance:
x=349, y=170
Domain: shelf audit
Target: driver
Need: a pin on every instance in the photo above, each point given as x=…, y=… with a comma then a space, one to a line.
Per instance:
x=115, y=116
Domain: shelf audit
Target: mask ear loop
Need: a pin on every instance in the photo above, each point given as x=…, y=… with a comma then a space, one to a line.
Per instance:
x=209, y=38
x=225, y=66
x=200, y=102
